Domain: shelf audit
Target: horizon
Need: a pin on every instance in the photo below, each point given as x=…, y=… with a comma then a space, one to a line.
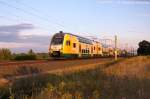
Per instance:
x=30, y=24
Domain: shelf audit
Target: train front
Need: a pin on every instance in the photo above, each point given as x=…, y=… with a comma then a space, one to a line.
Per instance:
x=56, y=45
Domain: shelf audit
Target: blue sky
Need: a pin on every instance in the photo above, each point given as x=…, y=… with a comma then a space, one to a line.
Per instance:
x=31, y=23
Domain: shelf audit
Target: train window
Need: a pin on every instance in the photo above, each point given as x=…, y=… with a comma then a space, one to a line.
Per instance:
x=57, y=39
x=82, y=51
x=86, y=51
x=79, y=48
x=84, y=40
x=99, y=48
x=74, y=45
x=68, y=43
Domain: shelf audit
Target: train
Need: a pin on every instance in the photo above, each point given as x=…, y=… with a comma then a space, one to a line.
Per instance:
x=67, y=45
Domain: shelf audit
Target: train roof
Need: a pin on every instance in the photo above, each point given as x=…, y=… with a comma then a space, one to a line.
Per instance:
x=81, y=39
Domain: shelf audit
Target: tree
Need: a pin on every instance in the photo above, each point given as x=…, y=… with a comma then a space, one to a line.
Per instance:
x=144, y=48
x=5, y=54
x=29, y=56
x=30, y=52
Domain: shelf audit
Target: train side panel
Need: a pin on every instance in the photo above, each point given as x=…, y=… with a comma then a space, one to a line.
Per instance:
x=70, y=46
x=97, y=49
x=85, y=50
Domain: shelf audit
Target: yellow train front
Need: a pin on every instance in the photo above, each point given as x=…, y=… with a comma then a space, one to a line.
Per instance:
x=67, y=45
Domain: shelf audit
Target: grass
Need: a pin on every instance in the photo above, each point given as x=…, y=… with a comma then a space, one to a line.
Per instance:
x=123, y=79
x=133, y=67
x=12, y=70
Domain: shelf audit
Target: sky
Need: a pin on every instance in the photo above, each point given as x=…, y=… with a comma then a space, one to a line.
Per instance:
x=30, y=24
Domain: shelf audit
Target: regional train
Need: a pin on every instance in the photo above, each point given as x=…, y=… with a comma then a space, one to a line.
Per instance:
x=67, y=45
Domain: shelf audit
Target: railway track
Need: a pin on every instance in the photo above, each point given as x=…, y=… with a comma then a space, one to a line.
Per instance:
x=8, y=63
x=12, y=63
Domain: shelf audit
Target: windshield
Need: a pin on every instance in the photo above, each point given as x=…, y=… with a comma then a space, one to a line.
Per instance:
x=57, y=39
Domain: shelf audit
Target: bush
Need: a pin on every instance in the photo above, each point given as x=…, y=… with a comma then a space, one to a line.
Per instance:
x=42, y=55
x=5, y=54
x=24, y=70
x=25, y=57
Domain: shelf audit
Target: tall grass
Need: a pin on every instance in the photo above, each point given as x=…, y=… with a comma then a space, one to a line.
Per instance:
x=111, y=82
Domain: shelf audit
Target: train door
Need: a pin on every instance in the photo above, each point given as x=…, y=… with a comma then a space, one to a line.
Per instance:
x=92, y=51
x=80, y=50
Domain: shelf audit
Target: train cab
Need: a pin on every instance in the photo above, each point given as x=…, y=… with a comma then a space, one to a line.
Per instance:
x=56, y=45
x=64, y=45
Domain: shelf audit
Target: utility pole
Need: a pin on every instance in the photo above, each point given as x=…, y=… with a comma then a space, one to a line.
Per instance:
x=133, y=51
x=126, y=48
x=115, y=47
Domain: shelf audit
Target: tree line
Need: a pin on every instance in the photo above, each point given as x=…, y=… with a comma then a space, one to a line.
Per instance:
x=6, y=54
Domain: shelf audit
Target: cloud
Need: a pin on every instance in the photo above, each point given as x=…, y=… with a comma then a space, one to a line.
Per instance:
x=10, y=33
x=24, y=47
x=15, y=28
x=10, y=38
x=16, y=45
x=36, y=39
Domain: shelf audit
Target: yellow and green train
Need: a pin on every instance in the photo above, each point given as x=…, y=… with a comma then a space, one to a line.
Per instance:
x=68, y=45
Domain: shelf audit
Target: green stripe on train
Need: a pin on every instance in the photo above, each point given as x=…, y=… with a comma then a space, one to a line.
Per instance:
x=75, y=55
x=69, y=55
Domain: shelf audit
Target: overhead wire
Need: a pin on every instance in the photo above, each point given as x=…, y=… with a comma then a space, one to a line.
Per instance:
x=36, y=10
x=23, y=21
x=16, y=21
x=10, y=19
x=44, y=14
x=27, y=12
x=33, y=14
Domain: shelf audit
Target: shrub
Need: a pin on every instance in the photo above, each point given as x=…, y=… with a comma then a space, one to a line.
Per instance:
x=4, y=92
x=24, y=70
x=5, y=54
x=25, y=57
x=29, y=56
x=42, y=55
